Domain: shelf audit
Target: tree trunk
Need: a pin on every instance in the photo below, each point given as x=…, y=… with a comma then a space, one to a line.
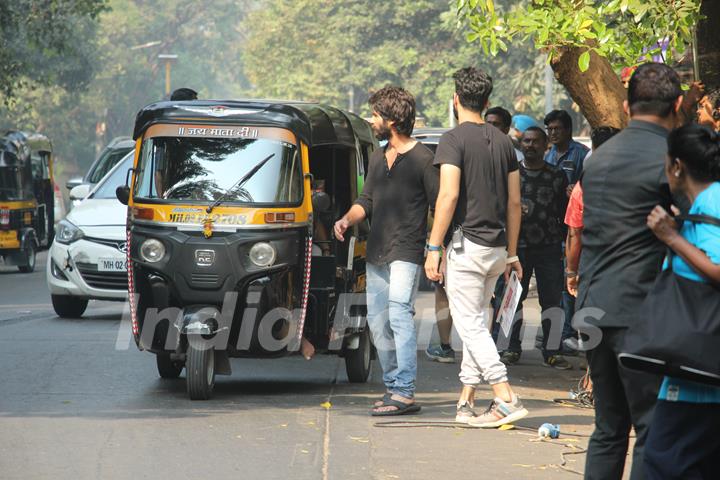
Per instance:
x=708, y=44
x=598, y=91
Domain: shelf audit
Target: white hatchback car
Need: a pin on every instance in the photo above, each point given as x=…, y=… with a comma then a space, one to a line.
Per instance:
x=87, y=259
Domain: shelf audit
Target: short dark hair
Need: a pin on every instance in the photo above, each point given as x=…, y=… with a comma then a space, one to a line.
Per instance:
x=653, y=90
x=600, y=135
x=184, y=94
x=397, y=105
x=699, y=149
x=504, y=115
x=536, y=129
x=473, y=88
x=559, y=116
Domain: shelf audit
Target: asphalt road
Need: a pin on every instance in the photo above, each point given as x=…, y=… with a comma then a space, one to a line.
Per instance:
x=79, y=401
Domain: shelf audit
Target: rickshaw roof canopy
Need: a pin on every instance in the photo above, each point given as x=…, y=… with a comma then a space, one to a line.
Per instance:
x=23, y=143
x=315, y=124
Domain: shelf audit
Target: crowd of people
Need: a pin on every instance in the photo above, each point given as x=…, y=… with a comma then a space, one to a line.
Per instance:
x=592, y=226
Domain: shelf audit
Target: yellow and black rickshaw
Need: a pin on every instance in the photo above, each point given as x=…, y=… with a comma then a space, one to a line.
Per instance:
x=230, y=209
x=26, y=198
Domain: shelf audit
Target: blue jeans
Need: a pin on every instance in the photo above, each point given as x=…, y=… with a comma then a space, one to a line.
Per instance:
x=391, y=290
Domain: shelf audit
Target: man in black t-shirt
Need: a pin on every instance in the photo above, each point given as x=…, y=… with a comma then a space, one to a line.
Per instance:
x=542, y=231
x=401, y=184
x=480, y=196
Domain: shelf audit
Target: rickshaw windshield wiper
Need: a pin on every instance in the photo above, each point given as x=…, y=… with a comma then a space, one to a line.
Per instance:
x=240, y=182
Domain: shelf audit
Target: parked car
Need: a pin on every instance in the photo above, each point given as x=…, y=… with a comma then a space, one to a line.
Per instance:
x=430, y=138
x=108, y=158
x=87, y=259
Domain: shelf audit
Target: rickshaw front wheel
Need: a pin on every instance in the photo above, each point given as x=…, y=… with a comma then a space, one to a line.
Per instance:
x=200, y=372
x=168, y=368
x=358, y=361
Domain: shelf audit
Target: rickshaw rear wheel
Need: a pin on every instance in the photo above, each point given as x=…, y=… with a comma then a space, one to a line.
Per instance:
x=358, y=361
x=200, y=372
x=168, y=368
x=67, y=306
x=29, y=259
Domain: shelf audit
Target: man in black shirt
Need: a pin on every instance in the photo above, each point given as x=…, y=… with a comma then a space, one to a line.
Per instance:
x=480, y=196
x=401, y=183
x=621, y=257
x=542, y=231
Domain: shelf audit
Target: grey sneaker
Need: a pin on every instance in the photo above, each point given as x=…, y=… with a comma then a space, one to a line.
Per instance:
x=464, y=413
x=557, y=361
x=510, y=358
x=440, y=354
x=499, y=413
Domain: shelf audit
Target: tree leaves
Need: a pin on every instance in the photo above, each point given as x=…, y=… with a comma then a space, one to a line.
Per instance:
x=584, y=61
x=620, y=30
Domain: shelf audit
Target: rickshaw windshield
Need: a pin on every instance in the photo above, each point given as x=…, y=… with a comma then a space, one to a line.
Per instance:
x=192, y=169
x=11, y=187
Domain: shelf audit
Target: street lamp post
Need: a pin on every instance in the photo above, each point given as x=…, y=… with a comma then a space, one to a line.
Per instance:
x=168, y=59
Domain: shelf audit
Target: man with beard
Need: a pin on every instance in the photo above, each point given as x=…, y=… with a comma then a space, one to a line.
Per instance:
x=480, y=196
x=401, y=183
x=542, y=231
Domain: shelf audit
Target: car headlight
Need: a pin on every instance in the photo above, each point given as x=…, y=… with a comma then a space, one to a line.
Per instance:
x=67, y=232
x=262, y=254
x=152, y=250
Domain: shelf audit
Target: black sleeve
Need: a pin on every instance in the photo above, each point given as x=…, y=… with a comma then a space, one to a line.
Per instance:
x=365, y=199
x=449, y=151
x=431, y=182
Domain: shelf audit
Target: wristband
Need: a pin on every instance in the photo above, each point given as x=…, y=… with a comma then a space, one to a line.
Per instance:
x=434, y=248
x=570, y=274
x=512, y=259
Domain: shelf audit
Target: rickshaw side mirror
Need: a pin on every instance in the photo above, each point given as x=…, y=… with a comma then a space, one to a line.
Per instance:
x=321, y=202
x=123, y=194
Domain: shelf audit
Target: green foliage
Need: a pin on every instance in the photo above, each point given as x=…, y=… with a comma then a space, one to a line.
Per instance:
x=322, y=49
x=45, y=42
x=82, y=117
x=623, y=31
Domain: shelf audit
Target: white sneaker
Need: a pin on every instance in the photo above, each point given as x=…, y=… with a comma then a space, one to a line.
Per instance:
x=499, y=413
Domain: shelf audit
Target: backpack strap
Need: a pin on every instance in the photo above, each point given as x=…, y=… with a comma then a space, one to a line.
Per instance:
x=710, y=220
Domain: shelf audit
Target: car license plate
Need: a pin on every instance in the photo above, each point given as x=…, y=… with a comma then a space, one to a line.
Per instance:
x=9, y=239
x=112, y=265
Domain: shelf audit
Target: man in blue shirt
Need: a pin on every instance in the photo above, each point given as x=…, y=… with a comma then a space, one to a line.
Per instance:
x=565, y=153
x=568, y=155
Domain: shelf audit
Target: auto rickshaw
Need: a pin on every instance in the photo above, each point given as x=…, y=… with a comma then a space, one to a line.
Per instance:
x=27, y=198
x=230, y=209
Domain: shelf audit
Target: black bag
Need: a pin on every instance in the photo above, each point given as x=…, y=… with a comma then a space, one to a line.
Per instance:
x=678, y=331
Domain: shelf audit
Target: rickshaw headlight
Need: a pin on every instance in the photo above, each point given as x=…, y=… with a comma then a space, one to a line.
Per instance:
x=262, y=254
x=67, y=232
x=152, y=250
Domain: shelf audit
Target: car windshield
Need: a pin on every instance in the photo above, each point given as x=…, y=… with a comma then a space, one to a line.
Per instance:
x=204, y=169
x=105, y=163
x=117, y=177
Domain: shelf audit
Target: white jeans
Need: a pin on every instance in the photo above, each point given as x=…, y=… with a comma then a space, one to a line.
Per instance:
x=471, y=277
